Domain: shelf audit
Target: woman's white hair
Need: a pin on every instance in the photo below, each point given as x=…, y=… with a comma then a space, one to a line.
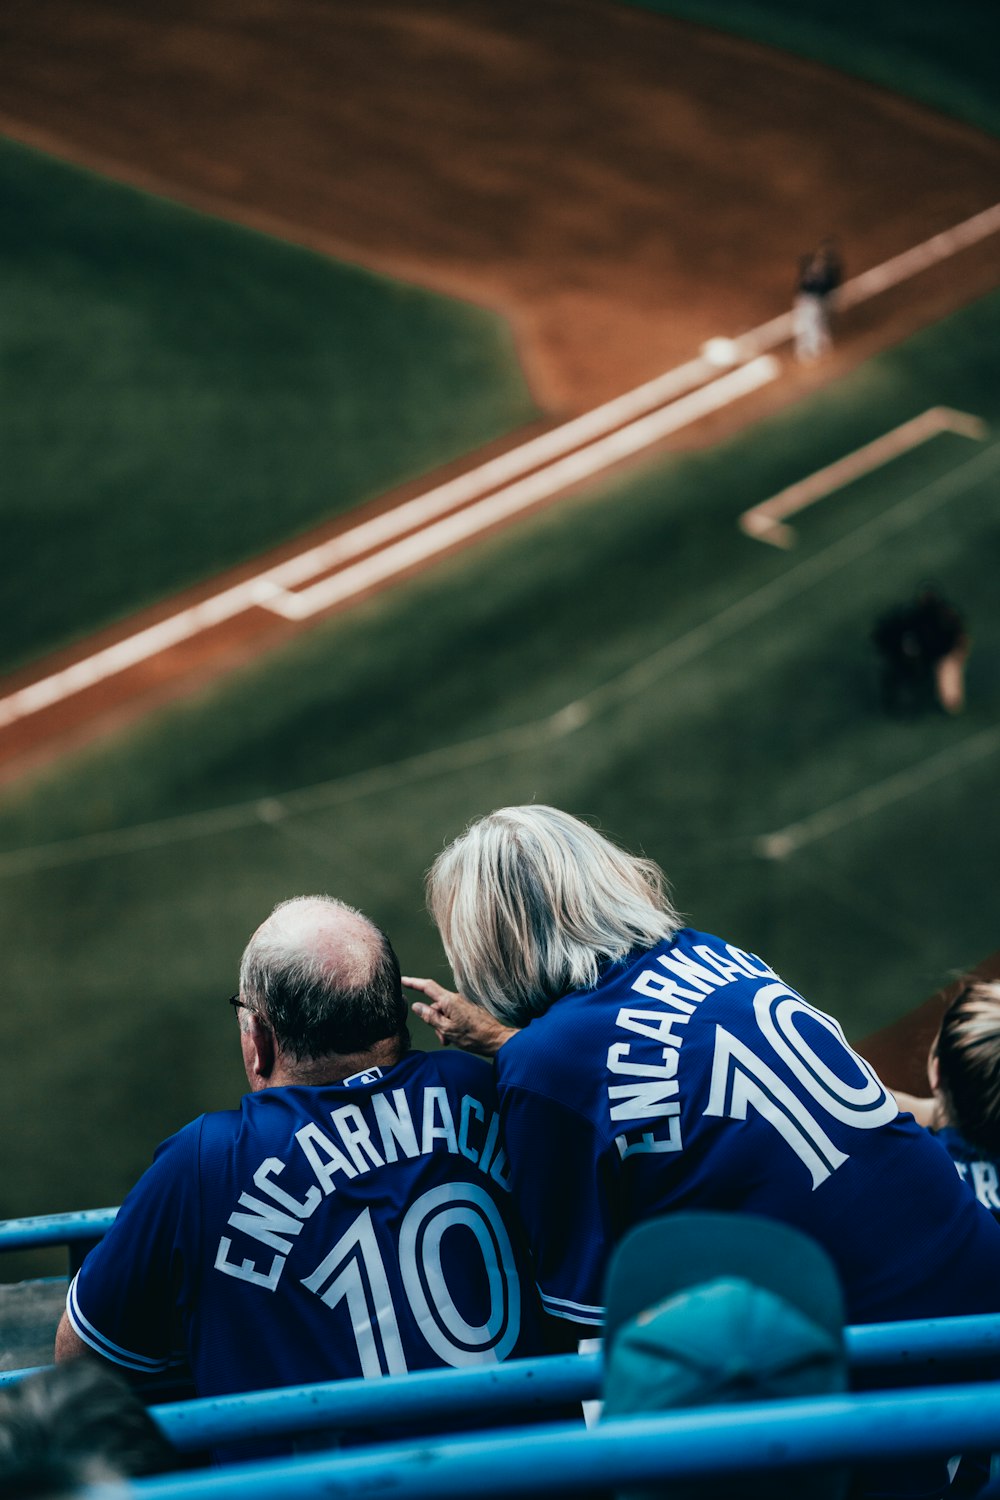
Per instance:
x=530, y=900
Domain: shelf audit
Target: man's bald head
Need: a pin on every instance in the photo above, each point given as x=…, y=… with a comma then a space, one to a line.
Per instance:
x=324, y=979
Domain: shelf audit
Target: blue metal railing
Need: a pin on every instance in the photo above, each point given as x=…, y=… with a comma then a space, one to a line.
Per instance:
x=924, y=1343
x=487, y=1391
x=79, y=1232
x=564, y=1458
x=929, y=1347
x=526, y=1385
x=56, y=1229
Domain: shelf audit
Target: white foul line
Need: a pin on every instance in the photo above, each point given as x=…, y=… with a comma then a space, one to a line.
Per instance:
x=938, y=247
x=485, y=477
x=578, y=466
x=269, y=589
x=763, y=521
x=515, y=739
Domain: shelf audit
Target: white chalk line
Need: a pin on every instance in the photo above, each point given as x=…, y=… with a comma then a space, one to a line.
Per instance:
x=873, y=799
x=901, y=267
x=559, y=476
x=269, y=590
x=797, y=580
x=485, y=477
x=518, y=739
x=271, y=811
x=763, y=522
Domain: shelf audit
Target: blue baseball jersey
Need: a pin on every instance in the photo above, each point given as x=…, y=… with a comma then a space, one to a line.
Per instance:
x=360, y=1228
x=976, y=1167
x=693, y=1077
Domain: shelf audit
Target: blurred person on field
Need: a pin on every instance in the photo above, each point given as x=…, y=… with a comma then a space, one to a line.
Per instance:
x=945, y=644
x=924, y=646
x=351, y=1218
x=963, y=1071
x=73, y=1426
x=644, y=1066
x=820, y=275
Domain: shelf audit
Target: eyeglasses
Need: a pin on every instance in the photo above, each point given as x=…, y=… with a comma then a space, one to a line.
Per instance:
x=237, y=1004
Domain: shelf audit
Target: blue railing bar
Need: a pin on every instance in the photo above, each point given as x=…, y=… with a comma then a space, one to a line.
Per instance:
x=717, y=1442
x=525, y=1384
x=872, y=1344
x=924, y=1341
x=7, y=1377
x=517, y=1385
x=55, y=1229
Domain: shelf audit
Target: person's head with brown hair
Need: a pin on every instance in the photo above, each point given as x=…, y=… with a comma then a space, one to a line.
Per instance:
x=964, y=1065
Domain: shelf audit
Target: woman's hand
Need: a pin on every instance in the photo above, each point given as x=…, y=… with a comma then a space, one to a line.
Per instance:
x=456, y=1021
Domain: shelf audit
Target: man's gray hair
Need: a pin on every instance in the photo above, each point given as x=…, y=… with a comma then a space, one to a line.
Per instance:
x=530, y=900
x=324, y=978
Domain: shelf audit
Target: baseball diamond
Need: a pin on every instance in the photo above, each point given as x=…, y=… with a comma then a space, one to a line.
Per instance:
x=551, y=245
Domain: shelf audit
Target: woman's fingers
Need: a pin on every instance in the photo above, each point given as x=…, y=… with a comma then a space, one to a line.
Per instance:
x=436, y=1013
x=455, y=1020
x=430, y=988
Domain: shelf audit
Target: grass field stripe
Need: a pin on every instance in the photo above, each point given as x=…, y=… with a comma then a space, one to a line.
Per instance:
x=423, y=545
x=763, y=521
x=518, y=739
x=873, y=799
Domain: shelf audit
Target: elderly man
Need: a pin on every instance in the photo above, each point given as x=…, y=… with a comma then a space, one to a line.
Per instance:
x=352, y=1217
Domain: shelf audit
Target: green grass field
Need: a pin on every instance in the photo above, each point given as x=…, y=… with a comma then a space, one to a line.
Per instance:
x=943, y=54
x=180, y=393
x=724, y=691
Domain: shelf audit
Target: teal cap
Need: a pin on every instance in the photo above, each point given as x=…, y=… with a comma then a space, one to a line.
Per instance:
x=708, y=1309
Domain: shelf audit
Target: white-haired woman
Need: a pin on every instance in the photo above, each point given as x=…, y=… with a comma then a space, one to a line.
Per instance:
x=643, y=1066
x=963, y=1070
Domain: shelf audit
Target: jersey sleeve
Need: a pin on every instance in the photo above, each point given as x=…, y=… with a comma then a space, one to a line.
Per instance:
x=125, y=1300
x=563, y=1178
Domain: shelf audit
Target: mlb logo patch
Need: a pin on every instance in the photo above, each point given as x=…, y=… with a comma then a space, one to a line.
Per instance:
x=370, y=1075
